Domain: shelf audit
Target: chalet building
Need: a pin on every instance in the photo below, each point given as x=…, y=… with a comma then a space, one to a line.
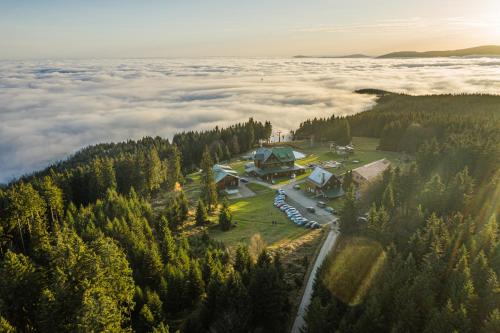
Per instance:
x=369, y=172
x=324, y=183
x=274, y=162
x=225, y=177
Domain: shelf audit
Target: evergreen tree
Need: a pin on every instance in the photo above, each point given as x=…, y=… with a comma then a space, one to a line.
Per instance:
x=208, y=187
x=174, y=173
x=201, y=214
x=225, y=217
x=344, y=133
x=53, y=197
x=268, y=297
x=349, y=212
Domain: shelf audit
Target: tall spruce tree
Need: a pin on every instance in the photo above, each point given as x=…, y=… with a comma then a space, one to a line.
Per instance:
x=208, y=187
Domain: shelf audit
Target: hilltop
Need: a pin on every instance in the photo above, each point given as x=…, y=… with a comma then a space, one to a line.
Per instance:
x=486, y=50
x=355, y=56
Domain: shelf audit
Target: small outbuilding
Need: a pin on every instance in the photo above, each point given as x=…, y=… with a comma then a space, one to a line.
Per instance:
x=369, y=172
x=225, y=177
x=324, y=183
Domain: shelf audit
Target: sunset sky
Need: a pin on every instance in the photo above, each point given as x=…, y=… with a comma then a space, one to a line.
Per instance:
x=189, y=28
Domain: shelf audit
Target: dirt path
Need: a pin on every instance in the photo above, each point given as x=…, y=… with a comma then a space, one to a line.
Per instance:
x=306, y=297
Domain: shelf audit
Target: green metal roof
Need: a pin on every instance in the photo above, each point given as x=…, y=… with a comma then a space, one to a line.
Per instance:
x=283, y=154
x=222, y=171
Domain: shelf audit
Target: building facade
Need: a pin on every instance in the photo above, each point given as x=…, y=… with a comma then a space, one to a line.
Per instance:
x=275, y=162
x=225, y=177
x=324, y=183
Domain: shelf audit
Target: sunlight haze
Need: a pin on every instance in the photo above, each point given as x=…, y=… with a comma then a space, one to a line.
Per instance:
x=73, y=29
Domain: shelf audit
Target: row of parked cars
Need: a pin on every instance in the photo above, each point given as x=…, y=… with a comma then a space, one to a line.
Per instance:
x=293, y=214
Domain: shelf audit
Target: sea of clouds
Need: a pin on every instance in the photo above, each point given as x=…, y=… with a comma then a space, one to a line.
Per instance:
x=50, y=109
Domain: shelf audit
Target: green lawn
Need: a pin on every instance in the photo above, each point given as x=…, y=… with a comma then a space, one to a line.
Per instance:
x=192, y=186
x=257, y=188
x=365, y=151
x=352, y=268
x=254, y=215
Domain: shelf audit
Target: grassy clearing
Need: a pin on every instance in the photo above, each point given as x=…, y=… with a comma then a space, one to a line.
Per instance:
x=352, y=268
x=254, y=215
x=239, y=166
x=365, y=152
x=192, y=186
x=258, y=188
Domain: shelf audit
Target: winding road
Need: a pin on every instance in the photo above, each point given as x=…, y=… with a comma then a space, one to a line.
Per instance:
x=306, y=297
x=327, y=221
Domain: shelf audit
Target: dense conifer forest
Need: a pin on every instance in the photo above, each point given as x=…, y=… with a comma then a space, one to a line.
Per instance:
x=82, y=249
x=437, y=219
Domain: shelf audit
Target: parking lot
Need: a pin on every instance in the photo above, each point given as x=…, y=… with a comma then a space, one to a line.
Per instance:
x=319, y=215
x=300, y=199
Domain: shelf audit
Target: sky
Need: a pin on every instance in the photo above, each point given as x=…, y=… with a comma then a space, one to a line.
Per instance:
x=34, y=29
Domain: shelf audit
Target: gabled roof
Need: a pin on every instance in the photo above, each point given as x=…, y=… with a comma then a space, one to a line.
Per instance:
x=320, y=176
x=372, y=170
x=221, y=171
x=283, y=154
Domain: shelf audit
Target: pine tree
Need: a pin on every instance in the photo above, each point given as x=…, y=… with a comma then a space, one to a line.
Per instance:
x=201, y=214
x=344, y=133
x=53, y=197
x=174, y=173
x=208, y=187
x=155, y=171
x=167, y=241
x=195, y=284
x=183, y=205
x=268, y=297
x=349, y=212
x=225, y=217
x=388, y=200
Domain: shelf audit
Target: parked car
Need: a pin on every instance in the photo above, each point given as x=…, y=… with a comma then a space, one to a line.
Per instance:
x=321, y=204
x=309, y=224
x=303, y=220
x=243, y=180
x=316, y=225
x=311, y=210
x=362, y=219
x=296, y=186
x=330, y=210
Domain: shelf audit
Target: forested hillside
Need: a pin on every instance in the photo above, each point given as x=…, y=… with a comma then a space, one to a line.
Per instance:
x=82, y=250
x=436, y=219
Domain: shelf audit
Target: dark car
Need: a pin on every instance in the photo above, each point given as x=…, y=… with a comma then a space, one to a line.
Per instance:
x=311, y=210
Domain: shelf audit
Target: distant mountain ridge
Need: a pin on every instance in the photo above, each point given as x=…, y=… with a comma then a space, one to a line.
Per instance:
x=334, y=57
x=486, y=50
x=479, y=51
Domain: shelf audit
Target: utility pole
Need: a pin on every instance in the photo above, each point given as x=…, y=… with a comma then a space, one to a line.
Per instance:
x=279, y=136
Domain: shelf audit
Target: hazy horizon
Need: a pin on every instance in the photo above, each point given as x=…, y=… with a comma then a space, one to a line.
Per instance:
x=95, y=29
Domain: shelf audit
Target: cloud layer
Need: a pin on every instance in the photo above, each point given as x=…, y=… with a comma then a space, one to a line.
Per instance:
x=49, y=109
